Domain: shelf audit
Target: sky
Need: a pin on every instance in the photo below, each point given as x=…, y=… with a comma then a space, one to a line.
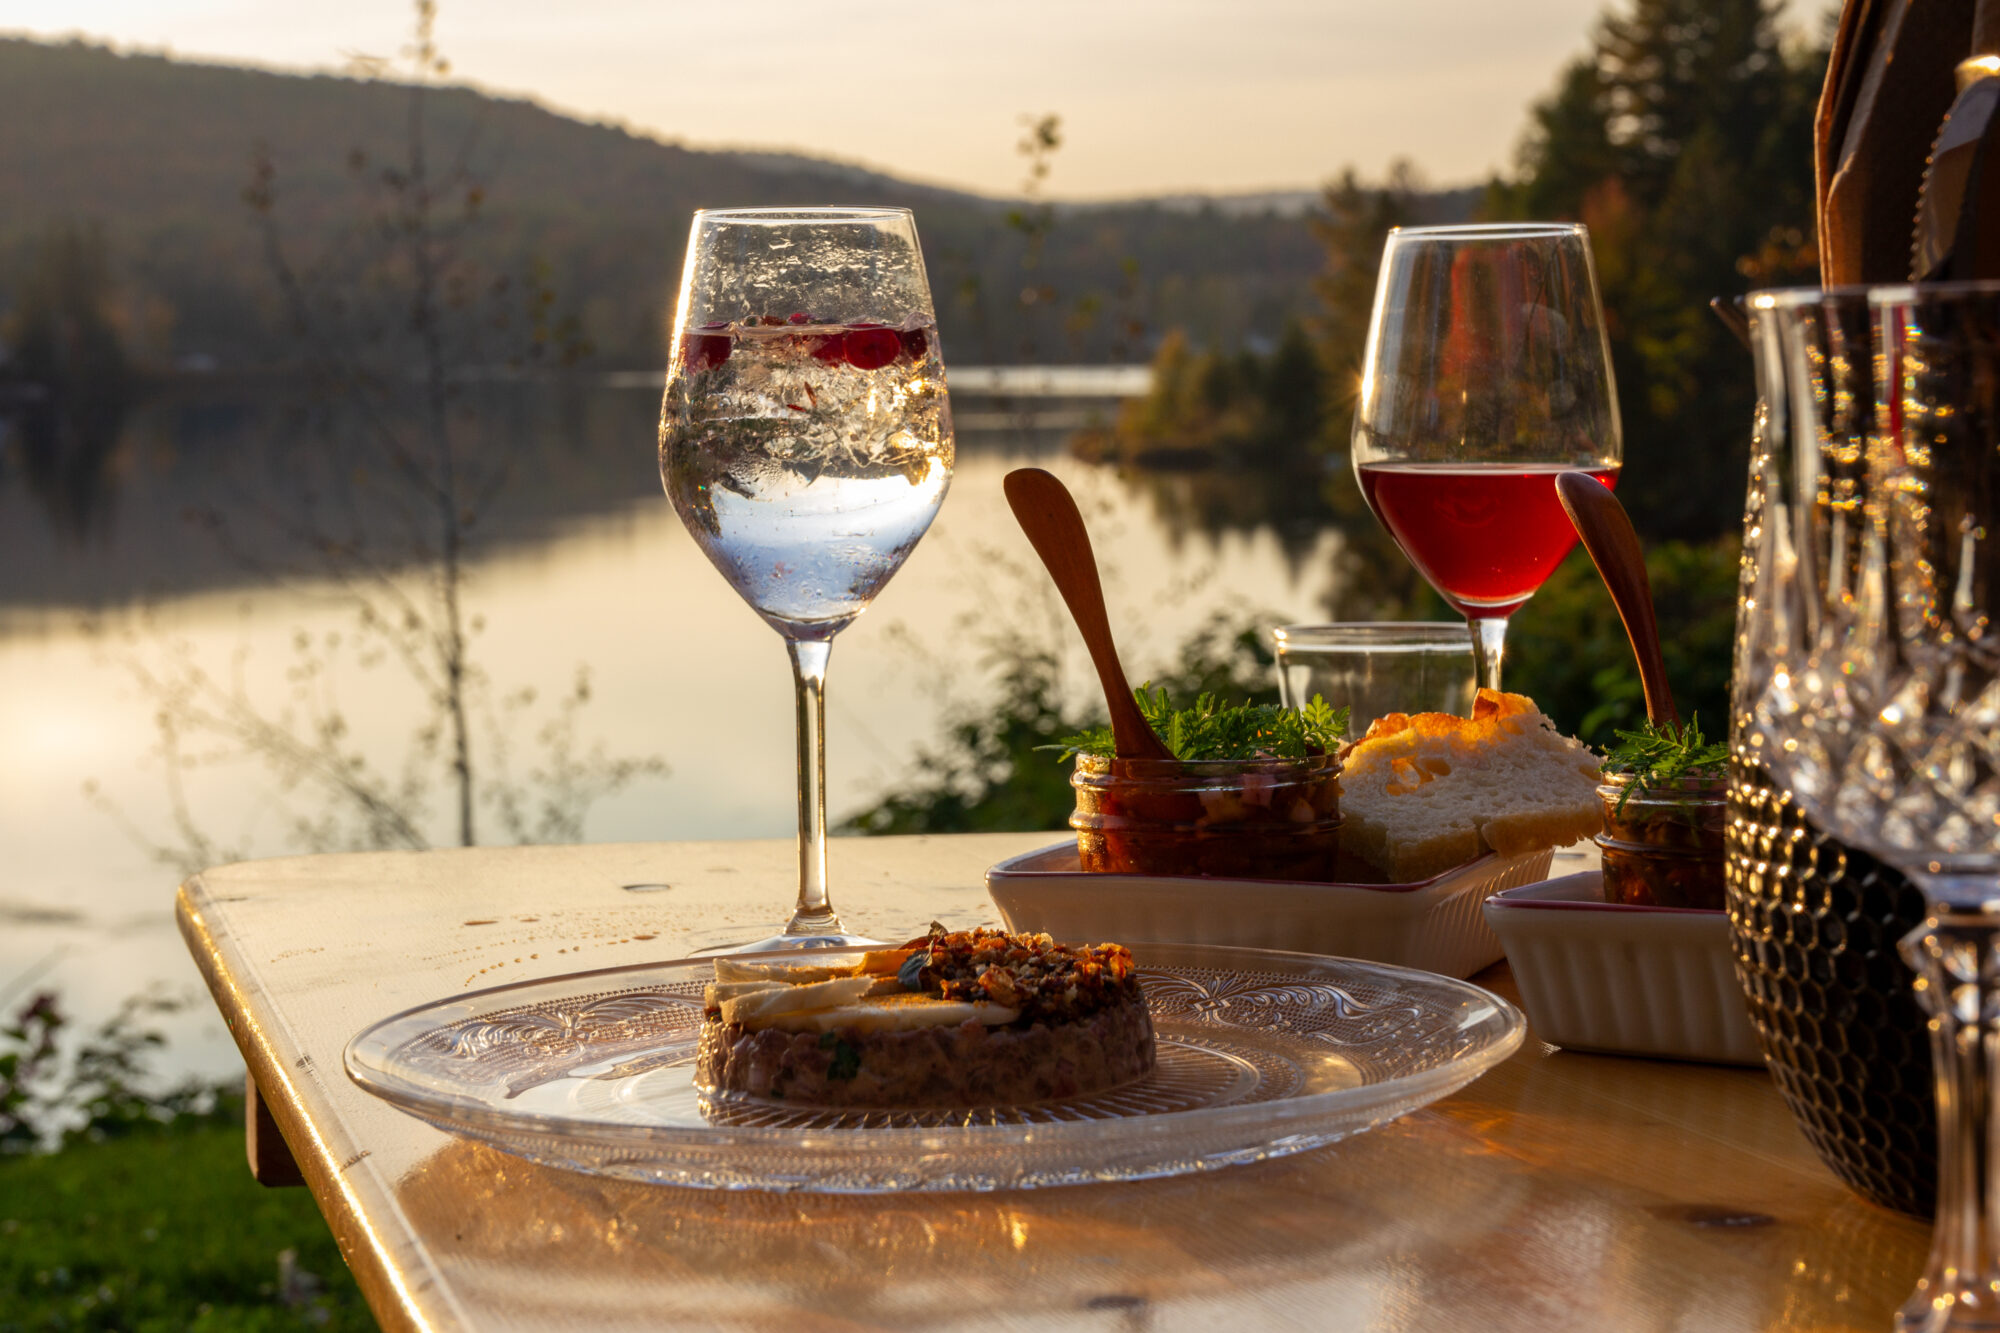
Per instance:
x=1156, y=96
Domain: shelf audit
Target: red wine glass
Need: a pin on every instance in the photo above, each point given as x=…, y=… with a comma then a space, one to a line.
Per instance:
x=1487, y=375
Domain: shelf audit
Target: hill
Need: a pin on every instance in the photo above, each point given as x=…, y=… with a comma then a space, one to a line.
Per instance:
x=158, y=153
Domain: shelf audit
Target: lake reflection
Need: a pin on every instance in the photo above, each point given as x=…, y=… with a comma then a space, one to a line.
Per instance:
x=584, y=563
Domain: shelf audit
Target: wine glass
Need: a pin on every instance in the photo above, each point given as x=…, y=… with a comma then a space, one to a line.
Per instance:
x=1487, y=375
x=806, y=441
x=1872, y=665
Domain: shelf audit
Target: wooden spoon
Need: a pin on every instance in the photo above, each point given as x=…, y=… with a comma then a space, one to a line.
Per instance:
x=1607, y=534
x=1048, y=514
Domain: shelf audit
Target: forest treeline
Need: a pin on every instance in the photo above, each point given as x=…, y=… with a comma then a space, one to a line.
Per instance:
x=1683, y=138
x=154, y=156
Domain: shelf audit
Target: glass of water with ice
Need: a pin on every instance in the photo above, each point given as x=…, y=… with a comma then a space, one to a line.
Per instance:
x=806, y=441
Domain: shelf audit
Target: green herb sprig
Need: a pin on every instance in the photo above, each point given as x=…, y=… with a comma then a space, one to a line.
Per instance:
x=1214, y=730
x=1659, y=757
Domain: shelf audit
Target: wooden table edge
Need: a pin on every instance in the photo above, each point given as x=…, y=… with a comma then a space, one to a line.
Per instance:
x=390, y=1296
x=405, y=1280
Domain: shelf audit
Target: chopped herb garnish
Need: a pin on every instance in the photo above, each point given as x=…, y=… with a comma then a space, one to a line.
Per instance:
x=1659, y=757
x=846, y=1061
x=1213, y=730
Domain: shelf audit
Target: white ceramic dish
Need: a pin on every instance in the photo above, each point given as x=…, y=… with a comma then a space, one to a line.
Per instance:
x=1598, y=976
x=1433, y=926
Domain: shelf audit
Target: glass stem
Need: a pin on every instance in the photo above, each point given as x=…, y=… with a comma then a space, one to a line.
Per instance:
x=1489, y=645
x=1958, y=985
x=814, y=915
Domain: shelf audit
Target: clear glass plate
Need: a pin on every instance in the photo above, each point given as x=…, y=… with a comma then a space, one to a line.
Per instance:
x=1261, y=1054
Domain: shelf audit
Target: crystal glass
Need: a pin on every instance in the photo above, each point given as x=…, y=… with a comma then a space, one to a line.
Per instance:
x=1487, y=375
x=1375, y=667
x=1876, y=663
x=1815, y=920
x=805, y=439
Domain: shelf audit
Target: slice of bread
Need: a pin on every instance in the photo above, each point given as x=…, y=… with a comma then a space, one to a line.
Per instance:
x=1424, y=793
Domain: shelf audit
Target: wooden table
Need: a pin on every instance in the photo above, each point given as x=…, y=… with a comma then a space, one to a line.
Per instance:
x=1560, y=1191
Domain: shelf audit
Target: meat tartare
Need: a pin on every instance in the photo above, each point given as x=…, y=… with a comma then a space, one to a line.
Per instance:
x=966, y=1018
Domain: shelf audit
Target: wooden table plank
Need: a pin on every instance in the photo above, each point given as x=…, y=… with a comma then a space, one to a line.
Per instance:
x=1560, y=1191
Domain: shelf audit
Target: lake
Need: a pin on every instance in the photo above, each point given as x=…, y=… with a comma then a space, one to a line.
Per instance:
x=583, y=564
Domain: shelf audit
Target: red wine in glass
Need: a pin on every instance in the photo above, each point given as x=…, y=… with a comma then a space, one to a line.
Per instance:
x=1486, y=535
x=1487, y=376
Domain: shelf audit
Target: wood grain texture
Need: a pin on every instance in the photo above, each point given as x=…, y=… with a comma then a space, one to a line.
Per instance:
x=1560, y=1191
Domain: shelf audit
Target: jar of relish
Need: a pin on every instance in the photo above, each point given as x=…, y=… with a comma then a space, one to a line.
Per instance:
x=1662, y=842
x=1259, y=818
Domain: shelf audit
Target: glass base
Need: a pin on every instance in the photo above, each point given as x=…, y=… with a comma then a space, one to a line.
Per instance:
x=1956, y=955
x=833, y=939
x=1958, y=1315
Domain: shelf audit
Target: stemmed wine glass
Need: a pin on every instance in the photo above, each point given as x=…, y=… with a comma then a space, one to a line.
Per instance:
x=805, y=439
x=1871, y=662
x=1487, y=374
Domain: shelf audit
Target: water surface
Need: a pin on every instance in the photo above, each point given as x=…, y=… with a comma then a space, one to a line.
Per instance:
x=583, y=564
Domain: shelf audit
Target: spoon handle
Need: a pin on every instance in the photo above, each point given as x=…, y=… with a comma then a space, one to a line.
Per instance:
x=1614, y=548
x=1048, y=514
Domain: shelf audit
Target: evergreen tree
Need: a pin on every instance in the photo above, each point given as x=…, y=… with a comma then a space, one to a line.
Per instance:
x=1356, y=222
x=1376, y=579
x=1684, y=140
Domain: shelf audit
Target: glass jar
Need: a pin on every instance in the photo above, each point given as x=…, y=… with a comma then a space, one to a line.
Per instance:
x=1237, y=818
x=1664, y=847
x=1372, y=668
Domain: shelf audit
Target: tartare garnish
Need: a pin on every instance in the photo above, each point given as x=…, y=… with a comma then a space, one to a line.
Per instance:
x=1657, y=758
x=1214, y=730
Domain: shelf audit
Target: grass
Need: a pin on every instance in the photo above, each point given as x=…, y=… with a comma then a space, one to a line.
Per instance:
x=165, y=1231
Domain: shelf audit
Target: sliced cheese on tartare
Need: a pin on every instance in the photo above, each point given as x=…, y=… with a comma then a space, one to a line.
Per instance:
x=893, y=1013
x=791, y=974
x=721, y=991
x=824, y=999
x=759, y=1005
x=716, y=992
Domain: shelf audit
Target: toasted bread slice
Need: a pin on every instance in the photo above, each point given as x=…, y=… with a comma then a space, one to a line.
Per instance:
x=1424, y=793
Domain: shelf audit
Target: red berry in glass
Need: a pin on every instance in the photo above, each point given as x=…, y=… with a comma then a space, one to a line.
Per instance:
x=705, y=351
x=872, y=348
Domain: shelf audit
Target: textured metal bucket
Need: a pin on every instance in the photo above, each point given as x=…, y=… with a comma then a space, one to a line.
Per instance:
x=1814, y=925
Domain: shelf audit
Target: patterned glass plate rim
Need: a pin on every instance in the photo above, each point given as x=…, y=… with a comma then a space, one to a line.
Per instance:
x=1262, y=1054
